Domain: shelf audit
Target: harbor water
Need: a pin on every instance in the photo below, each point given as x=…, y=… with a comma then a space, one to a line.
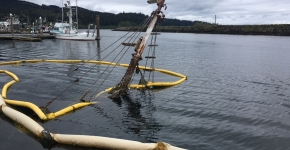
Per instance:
x=236, y=96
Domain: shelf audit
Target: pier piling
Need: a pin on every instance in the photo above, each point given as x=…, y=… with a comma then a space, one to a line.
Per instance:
x=11, y=24
x=98, y=27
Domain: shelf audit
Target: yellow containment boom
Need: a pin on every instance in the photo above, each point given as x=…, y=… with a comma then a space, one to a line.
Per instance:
x=49, y=116
x=79, y=105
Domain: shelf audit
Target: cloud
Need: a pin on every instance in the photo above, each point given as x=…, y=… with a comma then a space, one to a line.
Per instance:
x=227, y=11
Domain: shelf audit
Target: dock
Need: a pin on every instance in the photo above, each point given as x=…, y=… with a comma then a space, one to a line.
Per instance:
x=31, y=39
x=26, y=37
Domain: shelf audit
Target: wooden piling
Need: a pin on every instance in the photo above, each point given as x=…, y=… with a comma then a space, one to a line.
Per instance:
x=11, y=24
x=98, y=27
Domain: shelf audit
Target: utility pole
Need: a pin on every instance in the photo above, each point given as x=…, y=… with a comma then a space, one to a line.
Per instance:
x=214, y=19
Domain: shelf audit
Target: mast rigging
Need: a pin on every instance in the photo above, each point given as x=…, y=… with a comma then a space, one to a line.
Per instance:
x=122, y=87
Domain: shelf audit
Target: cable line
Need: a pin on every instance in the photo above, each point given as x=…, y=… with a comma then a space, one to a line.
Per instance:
x=77, y=79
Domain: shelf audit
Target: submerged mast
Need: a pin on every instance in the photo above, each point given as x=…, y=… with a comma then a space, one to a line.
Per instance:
x=122, y=86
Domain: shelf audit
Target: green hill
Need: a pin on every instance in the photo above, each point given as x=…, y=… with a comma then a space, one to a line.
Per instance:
x=29, y=12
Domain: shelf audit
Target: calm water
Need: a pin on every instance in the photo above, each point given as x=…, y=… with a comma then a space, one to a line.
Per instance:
x=236, y=97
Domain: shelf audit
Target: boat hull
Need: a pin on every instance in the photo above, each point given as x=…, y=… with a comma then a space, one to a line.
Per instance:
x=76, y=36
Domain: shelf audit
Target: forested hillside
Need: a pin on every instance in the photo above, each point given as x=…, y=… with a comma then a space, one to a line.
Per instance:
x=29, y=12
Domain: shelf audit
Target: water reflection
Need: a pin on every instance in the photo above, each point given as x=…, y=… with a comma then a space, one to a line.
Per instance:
x=13, y=44
x=99, y=50
x=46, y=144
x=139, y=115
x=71, y=51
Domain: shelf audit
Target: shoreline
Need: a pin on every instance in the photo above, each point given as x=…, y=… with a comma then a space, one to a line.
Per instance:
x=274, y=30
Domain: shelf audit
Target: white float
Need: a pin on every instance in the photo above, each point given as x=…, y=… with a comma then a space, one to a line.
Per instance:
x=79, y=140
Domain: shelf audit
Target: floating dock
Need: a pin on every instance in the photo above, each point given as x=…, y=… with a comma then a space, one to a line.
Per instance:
x=26, y=37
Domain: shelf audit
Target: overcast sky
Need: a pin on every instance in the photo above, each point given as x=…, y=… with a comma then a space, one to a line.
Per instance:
x=227, y=11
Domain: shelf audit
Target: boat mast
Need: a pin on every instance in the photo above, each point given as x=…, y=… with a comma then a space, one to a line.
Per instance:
x=62, y=13
x=121, y=88
x=77, y=15
x=70, y=15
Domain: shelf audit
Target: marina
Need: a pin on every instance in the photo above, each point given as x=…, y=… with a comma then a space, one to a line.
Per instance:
x=11, y=28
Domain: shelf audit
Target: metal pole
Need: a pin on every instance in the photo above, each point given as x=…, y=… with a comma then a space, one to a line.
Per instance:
x=88, y=30
x=33, y=28
x=11, y=24
x=40, y=25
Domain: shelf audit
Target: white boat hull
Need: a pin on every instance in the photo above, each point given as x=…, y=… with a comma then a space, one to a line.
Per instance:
x=67, y=31
x=76, y=36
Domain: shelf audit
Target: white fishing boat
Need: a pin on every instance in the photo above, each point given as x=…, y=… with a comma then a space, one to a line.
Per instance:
x=6, y=25
x=65, y=28
x=69, y=31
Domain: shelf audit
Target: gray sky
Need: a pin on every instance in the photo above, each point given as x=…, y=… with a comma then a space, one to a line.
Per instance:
x=227, y=11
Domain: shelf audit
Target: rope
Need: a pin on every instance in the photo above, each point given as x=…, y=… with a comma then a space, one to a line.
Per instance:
x=105, y=71
x=131, y=37
x=142, y=81
x=93, y=66
x=110, y=45
x=148, y=55
x=117, y=62
x=153, y=55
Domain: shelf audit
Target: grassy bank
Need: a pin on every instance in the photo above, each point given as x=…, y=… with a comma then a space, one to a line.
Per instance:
x=277, y=29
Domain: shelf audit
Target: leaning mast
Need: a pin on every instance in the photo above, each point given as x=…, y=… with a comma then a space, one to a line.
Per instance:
x=122, y=87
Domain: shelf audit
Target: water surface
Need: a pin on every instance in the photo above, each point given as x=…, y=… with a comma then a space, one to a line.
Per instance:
x=236, y=95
